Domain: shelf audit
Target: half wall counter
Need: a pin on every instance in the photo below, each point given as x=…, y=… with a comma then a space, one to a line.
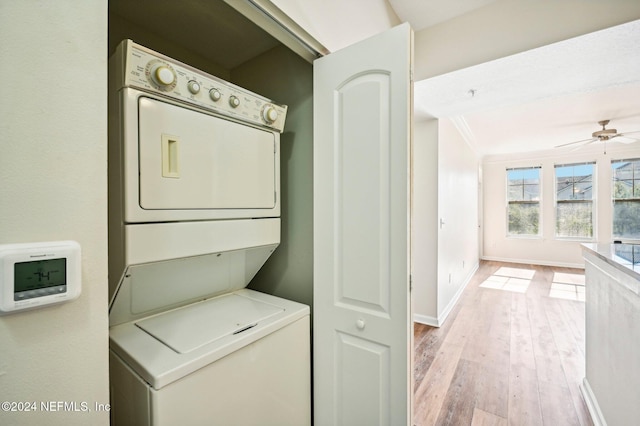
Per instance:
x=611, y=387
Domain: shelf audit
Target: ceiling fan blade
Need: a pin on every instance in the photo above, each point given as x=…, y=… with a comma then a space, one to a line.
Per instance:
x=575, y=142
x=575, y=148
x=628, y=133
x=626, y=139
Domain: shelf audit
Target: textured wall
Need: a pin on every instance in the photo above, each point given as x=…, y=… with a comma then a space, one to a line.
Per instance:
x=54, y=186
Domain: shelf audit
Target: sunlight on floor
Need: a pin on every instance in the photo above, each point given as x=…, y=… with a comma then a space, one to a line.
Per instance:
x=567, y=286
x=510, y=279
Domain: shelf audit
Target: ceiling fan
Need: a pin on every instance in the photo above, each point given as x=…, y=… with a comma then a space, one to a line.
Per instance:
x=604, y=135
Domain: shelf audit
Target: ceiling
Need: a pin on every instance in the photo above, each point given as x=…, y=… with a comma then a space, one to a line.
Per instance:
x=537, y=99
x=426, y=13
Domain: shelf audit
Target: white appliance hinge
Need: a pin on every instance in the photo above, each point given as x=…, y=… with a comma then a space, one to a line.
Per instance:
x=410, y=282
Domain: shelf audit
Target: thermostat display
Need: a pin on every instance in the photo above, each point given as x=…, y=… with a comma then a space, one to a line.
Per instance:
x=39, y=277
x=38, y=274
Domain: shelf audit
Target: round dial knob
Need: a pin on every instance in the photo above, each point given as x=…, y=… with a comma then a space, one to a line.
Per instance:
x=193, y=86
x=162, y=75
x=234, y=101
x=215, y=95
x=269, y=114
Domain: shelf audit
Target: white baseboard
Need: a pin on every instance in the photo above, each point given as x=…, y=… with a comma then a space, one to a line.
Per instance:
x=426, y=320
x=534, y=262
x=437, y=322
x=454, y=300
x=592, y=404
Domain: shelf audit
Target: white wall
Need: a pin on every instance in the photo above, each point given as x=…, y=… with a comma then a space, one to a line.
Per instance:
x=445, y=256
x=53, y=169
x=424, y=222
x=546, y=250
x=458, y=254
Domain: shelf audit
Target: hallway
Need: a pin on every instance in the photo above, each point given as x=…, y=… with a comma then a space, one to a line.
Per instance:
x=510, y=353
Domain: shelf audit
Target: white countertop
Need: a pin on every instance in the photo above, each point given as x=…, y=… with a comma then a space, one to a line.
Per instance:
x=624, y=257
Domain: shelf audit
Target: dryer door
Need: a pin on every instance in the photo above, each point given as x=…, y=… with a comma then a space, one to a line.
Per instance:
x=192, y=160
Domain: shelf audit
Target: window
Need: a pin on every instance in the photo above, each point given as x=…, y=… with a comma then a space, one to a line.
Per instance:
x=523, y=201
x=626, y=198
x=574, y=200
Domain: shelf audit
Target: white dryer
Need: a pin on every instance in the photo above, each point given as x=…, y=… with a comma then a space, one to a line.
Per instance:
x=194, y=212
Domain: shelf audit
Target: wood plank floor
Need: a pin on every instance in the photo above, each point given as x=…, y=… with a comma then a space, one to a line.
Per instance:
x=510, y=353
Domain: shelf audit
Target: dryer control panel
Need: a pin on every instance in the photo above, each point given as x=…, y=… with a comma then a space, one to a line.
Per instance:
x=142, y=68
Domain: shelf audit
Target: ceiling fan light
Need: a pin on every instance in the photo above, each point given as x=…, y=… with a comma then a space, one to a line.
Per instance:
x=606, y=133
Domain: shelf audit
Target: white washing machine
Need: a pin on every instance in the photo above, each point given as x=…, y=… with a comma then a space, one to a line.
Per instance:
x=194, y=212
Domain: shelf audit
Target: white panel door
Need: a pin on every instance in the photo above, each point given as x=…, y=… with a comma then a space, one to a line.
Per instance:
x=362, y=142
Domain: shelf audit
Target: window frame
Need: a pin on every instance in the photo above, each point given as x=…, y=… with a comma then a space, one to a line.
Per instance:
x=592, y=201
x=509, y=202
x=635, y=179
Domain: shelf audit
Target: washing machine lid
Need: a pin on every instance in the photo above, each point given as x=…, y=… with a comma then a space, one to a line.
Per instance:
x=160, y=365
x=197, y=325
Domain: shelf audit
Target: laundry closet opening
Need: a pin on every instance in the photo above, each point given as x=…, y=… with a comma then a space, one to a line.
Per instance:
x=215, y=38
x=210, y=248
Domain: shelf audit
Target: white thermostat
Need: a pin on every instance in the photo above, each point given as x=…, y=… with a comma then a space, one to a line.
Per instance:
x=34, y=275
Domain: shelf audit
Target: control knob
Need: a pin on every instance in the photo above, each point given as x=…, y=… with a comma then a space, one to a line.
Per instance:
x=269, y=114
x=215, y=95
x=234, y=101
x=193, y=86
x=162, y=75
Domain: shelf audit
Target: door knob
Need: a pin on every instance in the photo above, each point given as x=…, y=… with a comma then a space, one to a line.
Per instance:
x=360, y=324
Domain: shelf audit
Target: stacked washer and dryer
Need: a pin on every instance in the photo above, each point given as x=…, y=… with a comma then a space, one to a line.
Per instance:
x=194, y=212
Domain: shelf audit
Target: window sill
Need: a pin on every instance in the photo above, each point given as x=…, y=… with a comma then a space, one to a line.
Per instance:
x=524, y=237
x=575, y=239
